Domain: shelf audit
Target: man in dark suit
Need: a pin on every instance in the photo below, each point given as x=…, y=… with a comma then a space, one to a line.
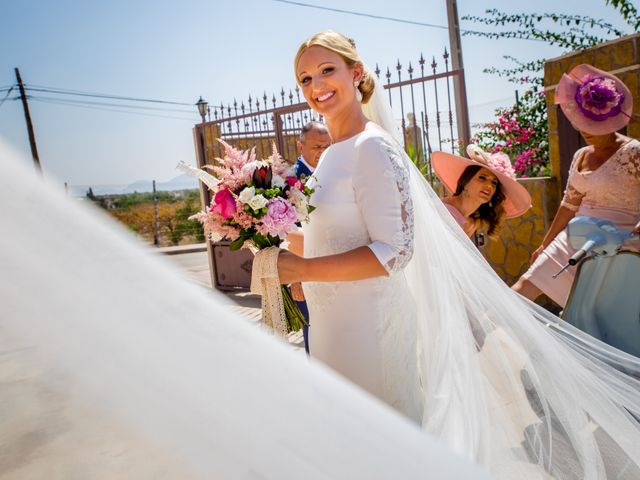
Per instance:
x=313, y=140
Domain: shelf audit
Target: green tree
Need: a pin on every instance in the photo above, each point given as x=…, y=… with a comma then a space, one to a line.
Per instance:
x=521, y=131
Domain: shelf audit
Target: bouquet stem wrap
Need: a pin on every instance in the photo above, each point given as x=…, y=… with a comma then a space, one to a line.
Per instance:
x=265, y=282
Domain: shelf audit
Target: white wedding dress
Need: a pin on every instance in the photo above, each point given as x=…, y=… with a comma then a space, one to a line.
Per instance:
x=365, y=329
x=443, y=340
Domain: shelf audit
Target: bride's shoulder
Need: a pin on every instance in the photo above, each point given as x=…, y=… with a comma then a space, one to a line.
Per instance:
x=375, y=140
x=376, y=149
x=372, y=135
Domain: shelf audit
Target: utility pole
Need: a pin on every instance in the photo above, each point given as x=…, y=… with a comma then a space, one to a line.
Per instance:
x=459, y=85
x=27, y=117
x=156, y=229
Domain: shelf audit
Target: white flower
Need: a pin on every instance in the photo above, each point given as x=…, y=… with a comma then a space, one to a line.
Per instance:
x=257, y=202
x=300, y=203
x=247, y=194
x=277, y=181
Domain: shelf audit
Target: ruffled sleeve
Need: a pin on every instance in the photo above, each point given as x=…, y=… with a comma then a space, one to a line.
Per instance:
x=381, y=184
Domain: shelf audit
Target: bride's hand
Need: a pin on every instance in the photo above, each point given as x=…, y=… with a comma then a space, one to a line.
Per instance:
x=290, y=267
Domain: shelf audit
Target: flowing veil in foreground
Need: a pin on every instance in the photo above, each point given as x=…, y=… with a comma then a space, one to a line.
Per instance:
x=505, y=382
x=112, y=366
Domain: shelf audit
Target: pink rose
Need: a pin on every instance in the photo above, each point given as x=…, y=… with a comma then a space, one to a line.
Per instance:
x=225, y=204
x=295, y=182
x=280, y=218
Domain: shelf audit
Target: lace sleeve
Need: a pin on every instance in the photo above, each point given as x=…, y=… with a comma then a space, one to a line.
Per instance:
x=381, y=185
x=630, y=161
x=572, y=196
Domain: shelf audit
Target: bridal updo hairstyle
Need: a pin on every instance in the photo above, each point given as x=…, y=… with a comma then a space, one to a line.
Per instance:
x=490, y=215
x=346, y=48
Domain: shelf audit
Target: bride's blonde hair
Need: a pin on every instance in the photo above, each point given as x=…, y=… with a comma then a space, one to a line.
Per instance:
x=346, y=48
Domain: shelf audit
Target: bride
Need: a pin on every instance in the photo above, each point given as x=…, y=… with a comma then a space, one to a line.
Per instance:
x=403, y=305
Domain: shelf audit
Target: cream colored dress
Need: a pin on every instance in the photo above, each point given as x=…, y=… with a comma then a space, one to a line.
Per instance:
x=365, y=330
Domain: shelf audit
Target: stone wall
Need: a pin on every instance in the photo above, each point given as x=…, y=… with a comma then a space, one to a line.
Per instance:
x=509, y=254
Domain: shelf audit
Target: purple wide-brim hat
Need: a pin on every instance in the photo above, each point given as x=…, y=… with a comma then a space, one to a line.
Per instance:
x=594, y=101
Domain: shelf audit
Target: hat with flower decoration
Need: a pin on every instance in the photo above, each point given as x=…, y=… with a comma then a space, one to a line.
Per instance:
x=450, y=167
x=593, y=100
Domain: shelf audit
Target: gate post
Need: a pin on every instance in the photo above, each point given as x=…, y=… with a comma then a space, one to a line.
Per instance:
x=205, y=195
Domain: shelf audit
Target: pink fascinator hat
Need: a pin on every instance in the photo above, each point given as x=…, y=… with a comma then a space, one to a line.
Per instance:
x=450, y=167
x=593, y=100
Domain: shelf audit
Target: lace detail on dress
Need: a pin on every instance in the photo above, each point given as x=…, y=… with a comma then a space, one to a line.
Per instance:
x=615, y=184
x=403, y=238
x=572, y=198
x=629, y=162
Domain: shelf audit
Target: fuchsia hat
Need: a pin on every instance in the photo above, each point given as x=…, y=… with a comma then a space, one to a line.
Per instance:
x=593, y=100
x=450, y=167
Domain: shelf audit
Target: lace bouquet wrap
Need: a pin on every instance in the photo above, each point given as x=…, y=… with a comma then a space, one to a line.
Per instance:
x=256, y=204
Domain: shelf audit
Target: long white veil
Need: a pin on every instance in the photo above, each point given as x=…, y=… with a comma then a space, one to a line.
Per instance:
x=112, y=366
x=505, y=382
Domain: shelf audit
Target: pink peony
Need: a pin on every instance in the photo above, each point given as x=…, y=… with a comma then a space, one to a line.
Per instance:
x=280, y=218
x=225, y=204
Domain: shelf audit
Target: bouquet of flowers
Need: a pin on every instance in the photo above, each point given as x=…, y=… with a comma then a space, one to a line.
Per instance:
x=256, y=203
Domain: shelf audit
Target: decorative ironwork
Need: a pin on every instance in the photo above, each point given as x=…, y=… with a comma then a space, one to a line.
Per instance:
x=264, y=120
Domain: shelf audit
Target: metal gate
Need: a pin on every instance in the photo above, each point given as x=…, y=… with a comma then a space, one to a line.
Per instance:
x=421, y=98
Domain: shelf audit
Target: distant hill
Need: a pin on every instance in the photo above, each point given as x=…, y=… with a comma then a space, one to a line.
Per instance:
x=181, y=182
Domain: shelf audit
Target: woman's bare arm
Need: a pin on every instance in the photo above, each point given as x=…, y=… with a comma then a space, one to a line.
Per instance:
x=357, y=264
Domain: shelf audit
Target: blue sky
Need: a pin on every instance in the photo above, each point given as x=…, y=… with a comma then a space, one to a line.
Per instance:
x=218, y=49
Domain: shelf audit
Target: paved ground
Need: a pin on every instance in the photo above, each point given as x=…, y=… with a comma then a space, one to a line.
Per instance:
x=196, y=265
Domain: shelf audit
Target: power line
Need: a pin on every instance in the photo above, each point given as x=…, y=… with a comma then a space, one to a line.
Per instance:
x=66, y=103
x=382, y=17
x=81, y=93
x=107, y=104
x=60, y=91
x=7, y=96
x=361, y=14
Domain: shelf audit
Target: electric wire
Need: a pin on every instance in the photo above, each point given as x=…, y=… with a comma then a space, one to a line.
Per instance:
x=29, y=87
x=108, y=104
x=64, y=103
x=6, y=96
x=361, y=14
x=382, y=17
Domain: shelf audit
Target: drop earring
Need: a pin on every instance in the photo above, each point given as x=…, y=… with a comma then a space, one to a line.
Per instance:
x=358, y=92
